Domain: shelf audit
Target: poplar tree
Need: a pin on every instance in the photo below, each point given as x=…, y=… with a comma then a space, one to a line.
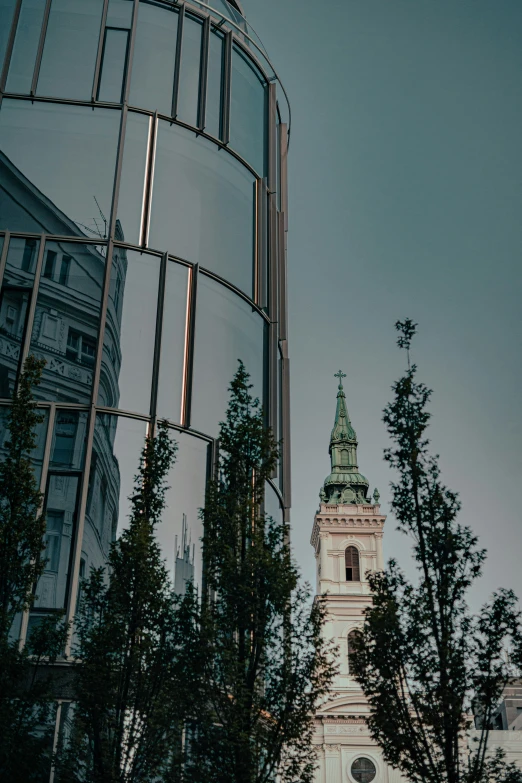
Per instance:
x=422, y=658
x=133, y=680
x=263, y=662
x=26, y=708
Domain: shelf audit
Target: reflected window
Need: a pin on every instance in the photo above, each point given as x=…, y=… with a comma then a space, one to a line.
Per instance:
x=68, y=446
x=70, y=50
x=227, y=329
x=40, y=433
x=351, y=557
x=189, y=75
x=154, y=58
x=57, y=164
x=130, y=199
x=248, y=111
x=173, y=342
x=66, y=320
x=50, y=263
x=363, y=770
x=114, y=65
x=203, y=205
x=23, y=56
x=29, y=255
x=130, y=330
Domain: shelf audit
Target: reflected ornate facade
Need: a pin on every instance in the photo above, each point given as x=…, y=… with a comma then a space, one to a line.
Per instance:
x=143, y=219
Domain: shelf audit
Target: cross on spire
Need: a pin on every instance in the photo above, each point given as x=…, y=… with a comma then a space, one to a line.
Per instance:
x=340, y=375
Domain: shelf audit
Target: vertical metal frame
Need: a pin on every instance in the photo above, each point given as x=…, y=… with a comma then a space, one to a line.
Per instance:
x=272, y=143
x=283, y=170
x=285, y=420
x=203, y=74
x=101, y=41
x=3, y=256
x=32, y=303
x=260, y=249
x=227, y=88
x=9, y=47
x=177, y=62
x=158, y=335
x=190, y=339
x=41, y=42
x=283, y=295
x=148, y=184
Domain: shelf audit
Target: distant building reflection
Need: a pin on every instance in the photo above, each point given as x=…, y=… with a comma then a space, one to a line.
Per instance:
x=184, y=562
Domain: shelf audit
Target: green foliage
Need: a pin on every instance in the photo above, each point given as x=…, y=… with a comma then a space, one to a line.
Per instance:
x=262, y=661
x=26, y=711
x=133, y=681
x=422, y=656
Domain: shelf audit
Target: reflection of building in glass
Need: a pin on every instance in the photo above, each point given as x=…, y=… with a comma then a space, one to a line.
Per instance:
x=143, y=218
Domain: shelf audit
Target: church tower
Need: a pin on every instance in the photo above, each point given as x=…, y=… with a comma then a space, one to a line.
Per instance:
x=347, y=540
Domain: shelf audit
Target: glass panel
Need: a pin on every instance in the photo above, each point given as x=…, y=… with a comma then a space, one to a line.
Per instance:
x=130, y=200
x=113, y=65
x=203, y=205
x=117, y=446
x=69, y=439
x=154, y=58
x=61, y=509
x=6, y=15
x=189, y=76
x=272, y=505
x=215, y=74
x=37, y=454
x=227, y=329
x=59, y=158
x=15, y=296
x=248, y=112
x=130, y=328
x=173, y=342
x=66, y=321
x=181, y=531
x=25, y=47
x=120, y=13
x=71, y=46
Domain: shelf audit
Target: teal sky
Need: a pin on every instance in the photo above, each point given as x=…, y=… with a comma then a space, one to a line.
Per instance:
x=406, y=201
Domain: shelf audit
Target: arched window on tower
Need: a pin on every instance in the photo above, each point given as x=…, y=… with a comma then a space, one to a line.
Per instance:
x=350, y=650
x=351, y=560
x=344, y=457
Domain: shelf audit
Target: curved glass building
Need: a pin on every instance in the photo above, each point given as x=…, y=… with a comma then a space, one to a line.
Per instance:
x=143, y=219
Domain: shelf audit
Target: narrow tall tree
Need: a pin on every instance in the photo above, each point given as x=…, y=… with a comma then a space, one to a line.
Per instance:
x=132, y=680
x=26, y=709
x=422, y=657
x=264, y=663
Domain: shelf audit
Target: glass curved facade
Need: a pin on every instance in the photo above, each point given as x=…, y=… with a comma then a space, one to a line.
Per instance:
x=142, y=253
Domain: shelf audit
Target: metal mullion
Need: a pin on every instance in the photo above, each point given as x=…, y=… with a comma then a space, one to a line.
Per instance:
x=272, y=142
x=203, y=74
x=273, y=353
x=9, y=47
x=283, y=170
x=157, y=341
x=190, y=335
x=260, y=256
x=3, y=256
x=227, y=89
x=130, y=51
x=103, y=318
x=177, y=62
x=41, y=42
x=101, y=41
x=272, y=258
x=76, y=544
x=285, y=417
x=32, y=306
x=149, y=180
x=283, y=295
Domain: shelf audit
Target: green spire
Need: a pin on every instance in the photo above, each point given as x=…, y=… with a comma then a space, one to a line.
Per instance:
x=344, y=484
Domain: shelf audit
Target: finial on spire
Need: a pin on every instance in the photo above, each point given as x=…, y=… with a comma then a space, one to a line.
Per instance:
x=340, y=375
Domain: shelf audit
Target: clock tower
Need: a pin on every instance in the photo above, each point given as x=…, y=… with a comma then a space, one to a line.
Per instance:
x=347, y=540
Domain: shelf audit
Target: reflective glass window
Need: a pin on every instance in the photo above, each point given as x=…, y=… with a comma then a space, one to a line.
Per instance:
x=40, y=433
x=23, y=57
x=132, y=184
x=15, y=297
x=6, y=14
x=248, y=111
x=69, y=440
x=189, y=75
x=154, y=58
x=120, y=13
x=71, y=46
x=173, y=342
x=114, y=63
x=214, y=81
x=203, y=205
x=61, y=516
x=117, y=446
x=66, y=321
x=227, y=329
x=61, y=161
x=130, y=328
x=272, y=505
x=181, y=529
